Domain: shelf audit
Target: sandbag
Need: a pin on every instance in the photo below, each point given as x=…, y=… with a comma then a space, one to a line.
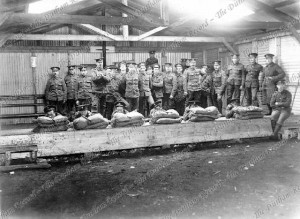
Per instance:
x=201, y=119
x=171, y=113
x=101, y=125
x=239, y=109
x=60, y=119
x=80, y=123
x=168, y=121
x=211, y=110
x=45, y=120
x=121, y=117
x=96, y=118
x=134, y=115
x=58, y=128
x=128, y=123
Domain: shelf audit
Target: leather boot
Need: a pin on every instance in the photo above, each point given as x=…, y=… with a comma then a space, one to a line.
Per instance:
x=273, y=124
x=276, y=131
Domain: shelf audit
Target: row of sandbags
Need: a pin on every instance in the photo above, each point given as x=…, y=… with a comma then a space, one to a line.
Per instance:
x=161, y=116
x=95, y=121
x=46, y=124
x=127, y=119
x=199, y=114
x=248, y=112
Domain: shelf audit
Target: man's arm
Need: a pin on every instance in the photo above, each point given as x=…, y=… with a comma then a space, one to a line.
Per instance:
x=281, y=74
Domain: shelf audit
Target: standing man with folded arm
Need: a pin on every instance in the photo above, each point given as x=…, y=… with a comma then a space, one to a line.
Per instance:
x=71, y=83
x=269, y=77
x=157, y=84
x=169, y=86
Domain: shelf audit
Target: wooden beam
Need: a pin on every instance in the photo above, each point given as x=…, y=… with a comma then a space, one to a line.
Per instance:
x=99, y=31
x=285, y=3
x=164, y=11
x=149, y=33
x=228, y=46
x=287, y=19
x=15, y=6
x=134, y=12
x=28, y=19
x=63, y=143
x=57, y=37
x=125, y=27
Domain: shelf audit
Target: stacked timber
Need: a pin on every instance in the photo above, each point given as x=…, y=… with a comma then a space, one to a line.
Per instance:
x=47, y=124
x=249, y=112
x=95, y=121
x=127, y=119
x=161, y=116
x=199, y=114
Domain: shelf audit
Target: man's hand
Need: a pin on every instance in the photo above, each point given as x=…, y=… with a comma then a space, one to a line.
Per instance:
x=185, y=93
x=171, y=97
x=77, y=102
x=64, y=101
x=241, y=87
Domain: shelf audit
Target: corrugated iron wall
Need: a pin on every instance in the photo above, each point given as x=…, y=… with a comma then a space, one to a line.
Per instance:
x=16, y=73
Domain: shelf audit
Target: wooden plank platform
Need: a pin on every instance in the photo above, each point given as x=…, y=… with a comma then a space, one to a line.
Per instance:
x=73, y=142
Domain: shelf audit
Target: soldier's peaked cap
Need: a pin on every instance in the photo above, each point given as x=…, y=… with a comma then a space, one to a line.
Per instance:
x=120, y=103
x=235, y=54
x=168, y=63
x=82, y=67
x=217, y=61
x=49, y=108
x=152, y=52
x=98, y=60
x=71, y=66
x=269, y=55
x=55, y=67
x=253, y=54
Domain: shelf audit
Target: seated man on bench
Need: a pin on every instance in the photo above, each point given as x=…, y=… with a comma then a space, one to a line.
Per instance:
x=281, y=108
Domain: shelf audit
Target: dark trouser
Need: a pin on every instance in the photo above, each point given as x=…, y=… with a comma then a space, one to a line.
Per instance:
x=205, y=99
x=59, y=105
x=145, y=102
x=109, y=109
x=71, y=104
x=280, y=115
x=233, y=91
x=268, y=91
x=217, y=101
x=133, y=103
x=99, y=103
x=166, y=101
x=193, y=96
x=86, y=101
x=251, y=96
x=178, y=105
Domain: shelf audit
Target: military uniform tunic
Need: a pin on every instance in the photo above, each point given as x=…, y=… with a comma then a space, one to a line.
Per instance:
x=157, y=85
x=251, y=82
x=234, y=75
x=56, y=89
x=151, y=61
x=71, y=83
x=269, y=85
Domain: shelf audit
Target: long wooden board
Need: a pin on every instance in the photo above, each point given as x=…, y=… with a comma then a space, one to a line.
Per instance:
x=73, y=142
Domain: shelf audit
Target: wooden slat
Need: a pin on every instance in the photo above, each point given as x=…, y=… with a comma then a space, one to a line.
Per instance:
x=10, y=116
x=57, y=37
x=18, y=19
x=63, y=143
x=21, y=105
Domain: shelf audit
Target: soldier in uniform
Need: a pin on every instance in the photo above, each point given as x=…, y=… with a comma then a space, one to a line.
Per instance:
x=152, y=60
x=157, y=83
x=100, y=80
x=112, y=86
x=234, y=102
x=269, y=77
x=178, y=101
x=218, y=85
x=56, y=91
x=234, y=75
x=192, y=78
x=250, y=80
x=205, y=86
x=281, y=104
x=84, y=93
x=169, y=86
x=131, y=84
x=71, y=83
x=145, y=88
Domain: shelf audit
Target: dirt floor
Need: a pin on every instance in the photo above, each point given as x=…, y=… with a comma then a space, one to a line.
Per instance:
x=252, y=179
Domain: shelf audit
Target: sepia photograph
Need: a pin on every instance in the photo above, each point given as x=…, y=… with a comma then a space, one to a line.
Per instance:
x=150, y=109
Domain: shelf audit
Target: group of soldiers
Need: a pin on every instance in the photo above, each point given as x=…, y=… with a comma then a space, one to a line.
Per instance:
x=144, y=86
